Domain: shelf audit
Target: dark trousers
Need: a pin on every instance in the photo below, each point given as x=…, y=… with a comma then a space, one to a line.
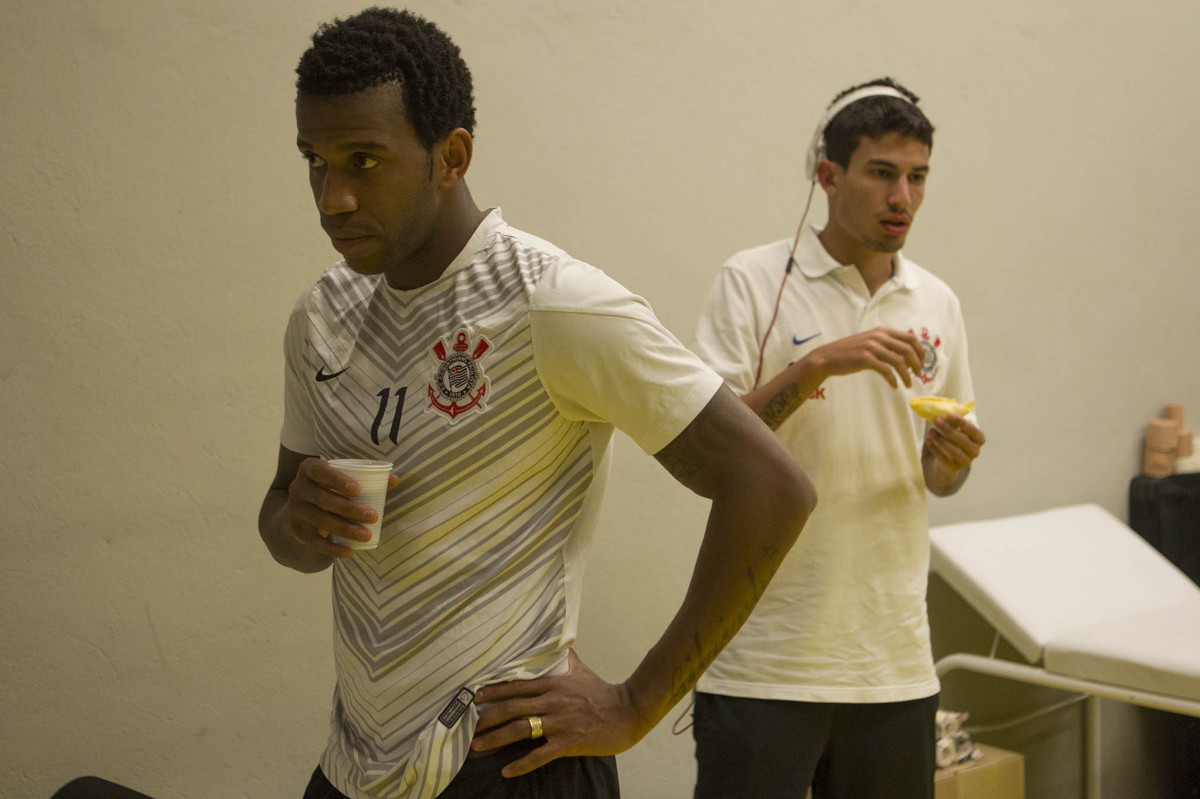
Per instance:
x=776, y=749
x=479, y=778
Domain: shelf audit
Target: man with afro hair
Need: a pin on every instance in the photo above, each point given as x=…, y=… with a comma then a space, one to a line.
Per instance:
x=489, y=368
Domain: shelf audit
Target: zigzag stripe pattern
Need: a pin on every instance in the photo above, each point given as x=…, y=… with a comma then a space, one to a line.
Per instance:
x=467, y=586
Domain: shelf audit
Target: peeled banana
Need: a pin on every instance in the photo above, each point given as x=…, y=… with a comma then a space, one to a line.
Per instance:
x=937, y=407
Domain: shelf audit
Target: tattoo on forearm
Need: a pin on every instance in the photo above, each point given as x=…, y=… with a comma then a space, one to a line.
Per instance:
x=694, y=664
x=780, y=406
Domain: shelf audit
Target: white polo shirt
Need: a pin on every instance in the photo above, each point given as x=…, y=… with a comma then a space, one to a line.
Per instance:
x=844, y=618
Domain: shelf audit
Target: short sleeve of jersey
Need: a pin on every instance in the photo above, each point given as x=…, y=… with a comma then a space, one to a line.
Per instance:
x=727, y=336
x=297, y=434
x=603, y=356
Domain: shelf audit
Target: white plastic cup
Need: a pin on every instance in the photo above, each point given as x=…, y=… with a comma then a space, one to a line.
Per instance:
x=372, y=479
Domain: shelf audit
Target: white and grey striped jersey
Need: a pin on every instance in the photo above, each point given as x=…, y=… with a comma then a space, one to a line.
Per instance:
x=494, y=391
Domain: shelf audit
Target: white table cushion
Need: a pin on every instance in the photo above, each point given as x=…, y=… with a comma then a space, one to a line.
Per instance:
x=1039, y=576
x=1155, y=650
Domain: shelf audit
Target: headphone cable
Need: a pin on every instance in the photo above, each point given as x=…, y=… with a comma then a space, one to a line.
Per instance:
x=791, y=261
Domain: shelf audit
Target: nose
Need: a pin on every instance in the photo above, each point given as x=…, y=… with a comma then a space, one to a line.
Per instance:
x=333, y=192
x=901, y=195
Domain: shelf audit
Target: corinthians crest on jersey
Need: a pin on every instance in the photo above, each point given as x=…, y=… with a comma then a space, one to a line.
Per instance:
x=459, y=383
x=930, y=343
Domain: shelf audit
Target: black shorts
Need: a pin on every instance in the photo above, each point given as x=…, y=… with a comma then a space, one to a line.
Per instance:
x=776, y=749
x=479, y=778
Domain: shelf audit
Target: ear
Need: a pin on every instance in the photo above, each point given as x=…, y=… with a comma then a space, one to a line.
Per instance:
x=453, y=155
x=828, y=173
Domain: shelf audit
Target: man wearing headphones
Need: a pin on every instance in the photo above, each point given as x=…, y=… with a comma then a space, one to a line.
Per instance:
x=827, y=336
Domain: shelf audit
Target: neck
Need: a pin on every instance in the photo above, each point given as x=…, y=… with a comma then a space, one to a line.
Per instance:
x=456, y=222
x=875, y=267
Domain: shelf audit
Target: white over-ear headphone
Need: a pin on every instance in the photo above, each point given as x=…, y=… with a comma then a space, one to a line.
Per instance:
x=816, y=148
x=816, y=152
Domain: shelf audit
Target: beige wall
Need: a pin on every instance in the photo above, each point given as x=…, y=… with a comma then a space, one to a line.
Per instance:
x=157, y=228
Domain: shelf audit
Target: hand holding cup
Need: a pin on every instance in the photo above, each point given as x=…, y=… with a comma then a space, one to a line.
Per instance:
x=373, y=478
x=337, y=506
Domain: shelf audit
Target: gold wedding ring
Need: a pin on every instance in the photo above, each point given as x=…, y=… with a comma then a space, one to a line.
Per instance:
x=535, y=727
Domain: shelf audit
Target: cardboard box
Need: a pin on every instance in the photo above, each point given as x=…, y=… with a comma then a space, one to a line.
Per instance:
x=999, y=774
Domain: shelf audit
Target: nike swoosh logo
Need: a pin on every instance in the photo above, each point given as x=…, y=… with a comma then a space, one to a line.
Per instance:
x=322, y=375
x=803, y=340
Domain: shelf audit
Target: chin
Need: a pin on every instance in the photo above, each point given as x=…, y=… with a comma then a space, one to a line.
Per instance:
x=887, y=246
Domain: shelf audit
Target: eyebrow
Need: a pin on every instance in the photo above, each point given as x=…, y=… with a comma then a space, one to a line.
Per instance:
x=347, y=146
x=893, y=165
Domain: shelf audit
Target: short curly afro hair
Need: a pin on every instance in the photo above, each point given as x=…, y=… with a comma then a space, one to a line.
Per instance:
x=873, y=117
x=380, y=45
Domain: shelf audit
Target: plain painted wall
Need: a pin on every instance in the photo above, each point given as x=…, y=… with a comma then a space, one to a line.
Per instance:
x=157, y=228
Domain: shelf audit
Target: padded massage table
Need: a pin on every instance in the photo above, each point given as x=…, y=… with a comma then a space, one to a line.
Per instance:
x=1091, y=606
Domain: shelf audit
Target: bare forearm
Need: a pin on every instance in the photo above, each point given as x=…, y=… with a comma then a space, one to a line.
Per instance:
x=752, y=525
x=940, y=481
x=778, y=398
x=893, y=354
x=286, y=551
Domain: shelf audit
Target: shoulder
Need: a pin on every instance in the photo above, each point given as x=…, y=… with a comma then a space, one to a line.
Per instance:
x=512, y=260
x=335, y=305
x=528, y=242
x=572, y=286
x=508, y=246
x=561, y=282
x=931, y=287
x=747, y=281
x=338, y=288
x=756, y=261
